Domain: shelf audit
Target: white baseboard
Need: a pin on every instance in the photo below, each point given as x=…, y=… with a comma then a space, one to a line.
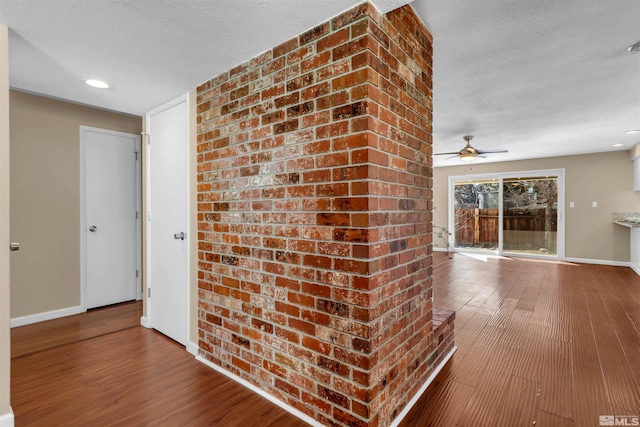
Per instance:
x=7, y=420
x=598, y=261
x=192, y=348
x=424, y=387
x=304, y=417
x=290, y=409
x=144, y=321
x=566, y=259
x=635, y=268
x=47, y=315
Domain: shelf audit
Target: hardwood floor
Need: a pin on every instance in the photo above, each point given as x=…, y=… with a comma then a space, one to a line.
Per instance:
x=554, y=343
x=71, y=329
x=123, y=376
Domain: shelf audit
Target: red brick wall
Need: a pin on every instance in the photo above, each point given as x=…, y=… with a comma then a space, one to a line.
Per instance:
x=314, y=218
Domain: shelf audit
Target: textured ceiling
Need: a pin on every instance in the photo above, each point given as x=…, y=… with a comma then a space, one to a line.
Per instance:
x=540, y=78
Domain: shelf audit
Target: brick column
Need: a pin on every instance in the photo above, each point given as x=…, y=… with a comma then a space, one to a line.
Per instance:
x=314, y=218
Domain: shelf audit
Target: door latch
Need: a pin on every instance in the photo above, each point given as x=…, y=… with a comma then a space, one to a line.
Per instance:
x=179, y=235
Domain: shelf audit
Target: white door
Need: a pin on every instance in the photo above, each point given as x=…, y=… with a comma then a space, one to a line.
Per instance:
x=109, y=223
x=168, y=206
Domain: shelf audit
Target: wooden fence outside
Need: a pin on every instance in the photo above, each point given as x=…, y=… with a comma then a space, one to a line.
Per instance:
x=479, y=227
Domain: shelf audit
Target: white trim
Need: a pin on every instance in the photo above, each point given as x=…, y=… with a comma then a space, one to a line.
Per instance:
x=290, y=409
x=139, y=218
x=566, y=259
x=424, y=387
x=144, y=321
x=599, y=261
x=47, y=315
x=192, y=348
x=191, y=151
x=7, y=420
x=83, y=210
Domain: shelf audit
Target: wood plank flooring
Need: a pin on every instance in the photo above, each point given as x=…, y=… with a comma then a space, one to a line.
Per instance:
x=554, y=343
x=557, y=344
x=124, y=376
x=71, y=329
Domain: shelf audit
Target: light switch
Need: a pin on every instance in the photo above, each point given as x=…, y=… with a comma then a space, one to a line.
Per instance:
x=594, y=204
x=572, y=204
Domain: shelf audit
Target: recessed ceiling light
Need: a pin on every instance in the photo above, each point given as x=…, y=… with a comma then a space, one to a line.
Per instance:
x=96, y=83
x=618, y=145
x=633, y=131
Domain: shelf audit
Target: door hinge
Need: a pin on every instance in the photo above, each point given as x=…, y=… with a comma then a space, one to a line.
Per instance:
x=136, y=153
x=148, y=292
x=148, y=215
x=137, y=273
x=137, y=214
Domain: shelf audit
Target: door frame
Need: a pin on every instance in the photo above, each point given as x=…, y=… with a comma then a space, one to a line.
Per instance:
x=559, y=172
x=147, y=318
x=83, y=211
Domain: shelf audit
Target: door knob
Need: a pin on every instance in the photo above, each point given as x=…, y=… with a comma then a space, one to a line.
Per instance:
x=179, y=235
x=14, y=247
x=93, y=229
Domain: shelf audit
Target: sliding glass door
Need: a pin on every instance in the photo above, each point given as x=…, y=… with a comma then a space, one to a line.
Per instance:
x=530, y=215
x=476, y=214
x=509, y=213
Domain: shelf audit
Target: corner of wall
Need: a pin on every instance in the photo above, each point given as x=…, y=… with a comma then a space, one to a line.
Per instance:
x=7, y=419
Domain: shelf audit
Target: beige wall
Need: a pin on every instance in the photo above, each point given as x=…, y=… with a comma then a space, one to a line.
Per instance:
x=5, y=344
x=45, y=191
x=590, y=233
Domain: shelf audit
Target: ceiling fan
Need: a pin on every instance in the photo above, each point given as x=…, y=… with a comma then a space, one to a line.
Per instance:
x=469, y=153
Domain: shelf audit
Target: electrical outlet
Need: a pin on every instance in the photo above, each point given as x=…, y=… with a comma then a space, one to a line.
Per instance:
x=594, y=204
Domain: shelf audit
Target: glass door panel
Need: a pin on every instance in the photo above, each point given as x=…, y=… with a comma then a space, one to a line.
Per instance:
x=476, y=214
x=530, y=215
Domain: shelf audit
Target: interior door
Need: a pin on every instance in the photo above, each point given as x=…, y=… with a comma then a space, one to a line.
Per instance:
x=167, y=221
x=110, y=216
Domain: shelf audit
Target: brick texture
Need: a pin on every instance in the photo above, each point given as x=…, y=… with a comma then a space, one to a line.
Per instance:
x=314, y=218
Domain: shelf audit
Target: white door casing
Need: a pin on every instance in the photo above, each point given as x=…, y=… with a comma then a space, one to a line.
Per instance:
x=167, y=217
x=110, y=224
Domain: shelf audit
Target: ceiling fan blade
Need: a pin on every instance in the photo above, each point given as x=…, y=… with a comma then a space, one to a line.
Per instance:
x=492, y=151
x=444, y=154
x=452, y=157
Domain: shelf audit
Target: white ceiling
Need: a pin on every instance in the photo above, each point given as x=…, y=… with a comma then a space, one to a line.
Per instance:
x=540, y=78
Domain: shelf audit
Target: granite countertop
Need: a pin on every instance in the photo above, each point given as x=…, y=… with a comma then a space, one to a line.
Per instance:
x=627, y=219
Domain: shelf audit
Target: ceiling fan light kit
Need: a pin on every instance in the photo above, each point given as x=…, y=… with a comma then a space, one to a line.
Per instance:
x=470, y=153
